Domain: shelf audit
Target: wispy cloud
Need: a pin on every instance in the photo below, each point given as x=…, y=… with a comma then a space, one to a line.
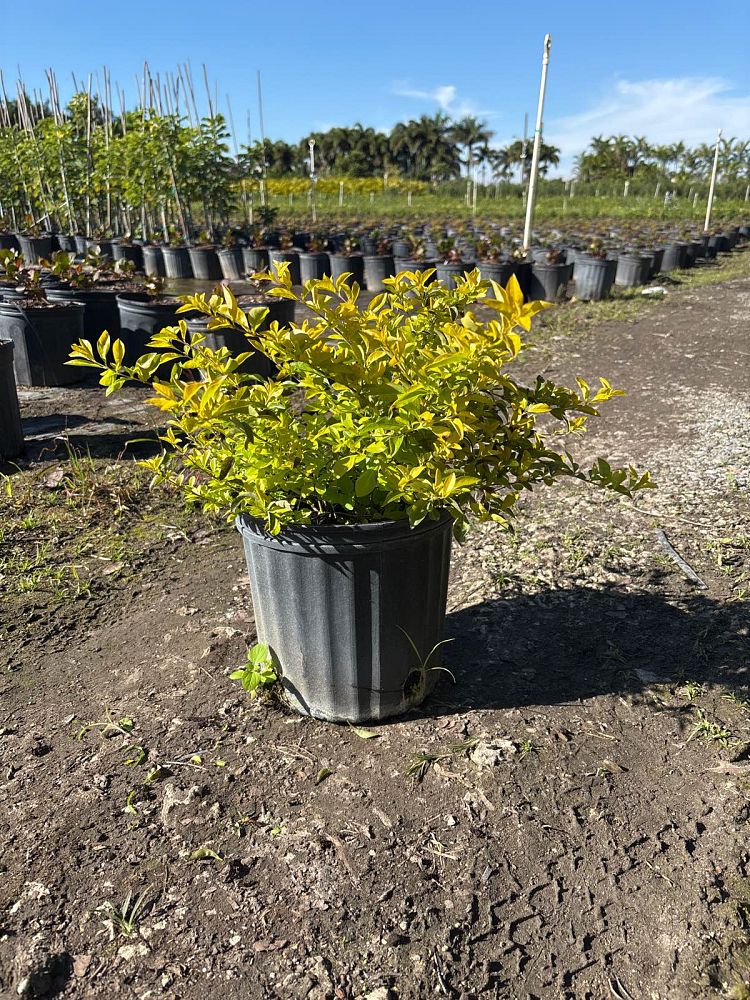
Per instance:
x=445, y=97
x=686, y=108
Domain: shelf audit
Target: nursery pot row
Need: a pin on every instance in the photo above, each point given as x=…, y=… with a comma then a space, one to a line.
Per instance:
x=42, y=338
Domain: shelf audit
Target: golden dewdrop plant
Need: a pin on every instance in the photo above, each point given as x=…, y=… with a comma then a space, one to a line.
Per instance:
x=404, y=408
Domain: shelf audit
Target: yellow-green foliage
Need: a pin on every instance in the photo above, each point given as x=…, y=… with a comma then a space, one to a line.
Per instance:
x=403, y=408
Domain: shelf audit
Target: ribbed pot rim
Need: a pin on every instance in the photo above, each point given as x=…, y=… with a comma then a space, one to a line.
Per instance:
x=9, y=308
x=596, y=261
x=86, y=294
x=316, y=539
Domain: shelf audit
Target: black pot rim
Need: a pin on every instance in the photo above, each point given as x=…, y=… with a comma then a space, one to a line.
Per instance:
x=136, y=299
x=8, y=307
x=331, y=538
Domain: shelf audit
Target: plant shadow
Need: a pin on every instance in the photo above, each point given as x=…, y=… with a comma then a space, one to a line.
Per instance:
x=565, y=646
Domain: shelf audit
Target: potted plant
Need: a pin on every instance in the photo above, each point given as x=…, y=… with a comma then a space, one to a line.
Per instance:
x=230, y=257
x=348, y=480
x=450, y=265
x=348, y=260
x=549, y=276
x=144, y=311
x=42, y=332
x=125, y=249
x=92, y=282
x=379, y=265
x=255, y=256
x=176, y=257
x=313, y=262
x=34, y=243
x=286, y=254
x=491, y=261
x=204, y=259
x=633, y=269
x=594, y=273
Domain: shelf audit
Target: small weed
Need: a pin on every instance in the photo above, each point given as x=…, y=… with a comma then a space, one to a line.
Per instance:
x=123, y=920
x=422, y=762
x=526, y=747
x=693, y=690
x=706, y=729
x=108, y=726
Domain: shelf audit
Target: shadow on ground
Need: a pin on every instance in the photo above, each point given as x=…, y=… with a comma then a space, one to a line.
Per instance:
x=565, y=646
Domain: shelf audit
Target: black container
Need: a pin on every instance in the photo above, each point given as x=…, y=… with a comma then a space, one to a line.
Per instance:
x=313, y=265
x=177, y=262
x=377, y=268
x=594, y=277
x=42, y=340
x=279, y=310
x=548, y=280
x=336, y=604
x=103, y=246
x=522, y=271
x=255, y=259
x=495, y=270
x=67, y=243
x=81, y=243
x=448, y=273
x=140, y=319
x=674, y=257
x=290, y=257
x=368, y=246
x=231, y=263
x=633, y=269
x=401, y=248
x=9, y=241
x=205, y=264
x=353, y=264
x=129, y=251
x=35, y=248
x=153, y=261
x=11, y=432
x=101, y=311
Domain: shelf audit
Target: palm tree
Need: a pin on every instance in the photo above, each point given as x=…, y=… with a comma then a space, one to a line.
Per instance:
x=469, y=133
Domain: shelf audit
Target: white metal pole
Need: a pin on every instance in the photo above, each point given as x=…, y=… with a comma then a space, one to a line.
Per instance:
x=707, y=223
x=537, y=147
x=311, y=144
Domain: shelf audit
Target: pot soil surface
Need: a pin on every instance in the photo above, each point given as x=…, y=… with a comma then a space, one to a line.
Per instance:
x=567, y=820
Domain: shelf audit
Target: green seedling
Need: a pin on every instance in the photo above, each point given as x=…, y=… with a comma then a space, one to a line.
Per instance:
x=124, y=919
x=258, y=672
x=108, y=727
x=422, y=762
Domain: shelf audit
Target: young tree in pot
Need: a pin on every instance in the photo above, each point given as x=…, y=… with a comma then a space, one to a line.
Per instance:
x=255, y=256
x=348, y=260
x=379, y=266
x=42, y=332
x=143, y=312
x=385, y=430
x=176, y=256
x=204, y=259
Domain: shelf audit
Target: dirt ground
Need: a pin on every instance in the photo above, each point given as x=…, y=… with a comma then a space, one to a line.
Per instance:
x=567, y=821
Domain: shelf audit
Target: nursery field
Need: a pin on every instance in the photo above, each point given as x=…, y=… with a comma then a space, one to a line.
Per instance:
x=566, y=820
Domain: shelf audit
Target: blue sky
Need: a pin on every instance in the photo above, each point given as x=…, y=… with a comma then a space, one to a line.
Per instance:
x=675, y=69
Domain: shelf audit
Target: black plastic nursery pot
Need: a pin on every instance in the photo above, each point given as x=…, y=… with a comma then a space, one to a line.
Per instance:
x=547, y=281
x=594, y=277
x=81, y=243
x=103, y=246
x=66, y=243
x=101, y=311
x=177, y=262
x=141, y=318
x=377, y=268
x=9, y=241
x=633, y=269
x=353, y=264
x=290, y=257
x=131, y=252
x=34, y=248
x=205, y=264
x=11, y=432
x=313, y=264
x=674, y=257
x=231, y=263
x=153, y=261
x=42, y=339
x=255, y=259
x=448, y=273
x=401, y=248
x=336, y=604
x=495, y=270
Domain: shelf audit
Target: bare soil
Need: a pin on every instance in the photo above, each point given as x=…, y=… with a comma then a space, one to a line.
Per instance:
x=573, y=823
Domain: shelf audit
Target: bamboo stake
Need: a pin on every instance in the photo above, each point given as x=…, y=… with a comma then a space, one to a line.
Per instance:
x=262, y=144
x=88, y=162
x=243, y=188
x=709, y=206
